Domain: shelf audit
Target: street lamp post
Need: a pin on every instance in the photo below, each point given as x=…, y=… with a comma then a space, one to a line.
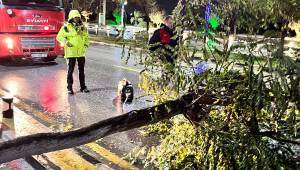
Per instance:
x=124, y=2
x=102, y=13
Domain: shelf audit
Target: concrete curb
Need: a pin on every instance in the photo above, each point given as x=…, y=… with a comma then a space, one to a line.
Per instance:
x=107, y=44
x=113, y=45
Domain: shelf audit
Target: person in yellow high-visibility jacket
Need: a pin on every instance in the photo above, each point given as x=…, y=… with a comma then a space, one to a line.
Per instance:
x=75, y=39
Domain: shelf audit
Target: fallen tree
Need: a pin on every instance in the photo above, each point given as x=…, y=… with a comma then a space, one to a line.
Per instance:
x=47, y=142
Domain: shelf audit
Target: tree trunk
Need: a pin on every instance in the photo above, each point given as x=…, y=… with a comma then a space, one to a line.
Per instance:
x=147, y=19
x=47, y=142
x=281, y=47
x=234, y=30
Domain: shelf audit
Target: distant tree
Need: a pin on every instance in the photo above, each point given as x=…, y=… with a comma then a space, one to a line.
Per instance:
x=156, y=17
x=117, y=15
x=136, y=17
x=253, y=15
x=86, y=15
x=148, y=7
x=87, y=7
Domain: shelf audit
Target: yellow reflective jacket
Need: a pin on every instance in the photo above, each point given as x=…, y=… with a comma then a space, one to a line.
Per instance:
x=76, y=37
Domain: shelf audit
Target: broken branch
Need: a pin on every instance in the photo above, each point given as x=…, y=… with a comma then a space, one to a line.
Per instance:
x=48, y=142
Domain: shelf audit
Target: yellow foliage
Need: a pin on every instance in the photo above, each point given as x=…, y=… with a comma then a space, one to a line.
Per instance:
x=157, y=17
x=86, y=15
x=296, y=26
x=152, y=88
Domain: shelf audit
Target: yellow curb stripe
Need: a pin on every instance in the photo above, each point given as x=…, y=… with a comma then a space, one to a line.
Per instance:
x=66, y=159
x=38, y=114
x=9, y=123
x=69, y=160
x=127, y=68
x=110, y=156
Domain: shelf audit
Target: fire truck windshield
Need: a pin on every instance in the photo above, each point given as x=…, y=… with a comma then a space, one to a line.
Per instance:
x=33, y=3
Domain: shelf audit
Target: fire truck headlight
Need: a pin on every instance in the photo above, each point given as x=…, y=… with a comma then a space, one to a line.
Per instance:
x=9, y=12
x=10, y=43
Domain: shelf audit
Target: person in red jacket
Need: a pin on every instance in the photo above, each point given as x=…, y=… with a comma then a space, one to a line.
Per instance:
x=165, y=40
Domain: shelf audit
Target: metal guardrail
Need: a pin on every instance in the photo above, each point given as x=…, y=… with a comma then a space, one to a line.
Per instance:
x=93, y=27
x=131, y=32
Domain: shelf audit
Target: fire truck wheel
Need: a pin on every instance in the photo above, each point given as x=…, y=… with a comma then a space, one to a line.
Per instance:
x=4, y=60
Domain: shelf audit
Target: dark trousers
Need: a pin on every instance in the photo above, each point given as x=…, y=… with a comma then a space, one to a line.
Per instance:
x=71, y=65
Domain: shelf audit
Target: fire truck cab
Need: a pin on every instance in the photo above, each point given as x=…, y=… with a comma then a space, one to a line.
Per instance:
x=28, y=29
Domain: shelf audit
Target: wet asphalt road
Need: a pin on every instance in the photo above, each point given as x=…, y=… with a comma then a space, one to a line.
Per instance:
x=43, y=87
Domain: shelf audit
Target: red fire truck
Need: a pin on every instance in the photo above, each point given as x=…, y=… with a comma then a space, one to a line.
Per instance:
x=28, y=29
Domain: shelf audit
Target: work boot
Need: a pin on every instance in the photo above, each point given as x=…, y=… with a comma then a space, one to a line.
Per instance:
x=85, y=90
x=70, y=92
